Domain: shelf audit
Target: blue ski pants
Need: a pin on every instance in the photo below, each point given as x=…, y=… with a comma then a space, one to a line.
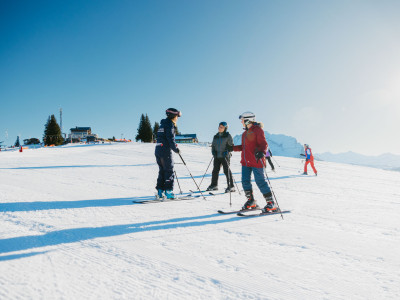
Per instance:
x=259, y=177
x=165, y=180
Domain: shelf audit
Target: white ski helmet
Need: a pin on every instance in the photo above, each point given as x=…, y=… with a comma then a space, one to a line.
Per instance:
x=247, y=117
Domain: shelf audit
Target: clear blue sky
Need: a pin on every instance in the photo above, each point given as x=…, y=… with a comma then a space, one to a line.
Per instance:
x=325, y=72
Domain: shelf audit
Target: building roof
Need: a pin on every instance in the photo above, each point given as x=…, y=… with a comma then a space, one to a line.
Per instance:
x=80, y=129
x=192, y=136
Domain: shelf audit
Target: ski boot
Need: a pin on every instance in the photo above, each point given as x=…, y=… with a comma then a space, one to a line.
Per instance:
x=305, y=173
x=170, y=194
x=270, y=207
x=251, y=202
x=230, y=189
x=160, y=194
x=212, y=188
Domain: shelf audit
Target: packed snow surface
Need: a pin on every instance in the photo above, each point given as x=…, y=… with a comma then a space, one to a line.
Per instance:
x=69, y=229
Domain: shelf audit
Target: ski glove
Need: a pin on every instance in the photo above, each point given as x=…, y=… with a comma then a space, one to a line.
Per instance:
x=225, y=153
x=178, y=151
x=259, y=155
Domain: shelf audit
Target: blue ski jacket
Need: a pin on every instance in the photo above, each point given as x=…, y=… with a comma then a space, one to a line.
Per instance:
x=166, y=138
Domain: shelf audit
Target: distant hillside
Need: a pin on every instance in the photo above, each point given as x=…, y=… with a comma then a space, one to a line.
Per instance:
x=385, y=161
x=283, y=145
x=280, y=144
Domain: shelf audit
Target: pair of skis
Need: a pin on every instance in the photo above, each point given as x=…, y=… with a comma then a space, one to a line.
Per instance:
x=253, y=212
x=164, y=199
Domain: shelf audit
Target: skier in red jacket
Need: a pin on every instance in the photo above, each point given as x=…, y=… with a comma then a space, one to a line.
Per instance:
x=309, y=159
x=254, y=148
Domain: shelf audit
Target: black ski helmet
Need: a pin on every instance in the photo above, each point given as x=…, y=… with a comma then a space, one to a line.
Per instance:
x=224, y=124
x=172, y=112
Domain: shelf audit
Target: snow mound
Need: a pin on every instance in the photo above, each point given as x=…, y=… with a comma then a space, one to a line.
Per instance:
x=280, y=144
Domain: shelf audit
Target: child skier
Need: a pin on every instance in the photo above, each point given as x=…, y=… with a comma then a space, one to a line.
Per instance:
x=221, y=148
x=163, y=152
x=309, y=159
x=254, y=147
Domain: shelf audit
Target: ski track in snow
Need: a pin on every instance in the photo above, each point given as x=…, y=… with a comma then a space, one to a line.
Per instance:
x=69, y=230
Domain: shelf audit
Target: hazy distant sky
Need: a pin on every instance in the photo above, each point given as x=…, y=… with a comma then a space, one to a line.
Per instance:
x=325, y=72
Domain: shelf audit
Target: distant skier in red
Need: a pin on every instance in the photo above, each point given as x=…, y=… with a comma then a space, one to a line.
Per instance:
x=309, y=159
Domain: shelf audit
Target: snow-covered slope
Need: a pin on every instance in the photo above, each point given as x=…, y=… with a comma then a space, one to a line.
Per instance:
x=386, y=161
x=69, y=230
x=280, y=144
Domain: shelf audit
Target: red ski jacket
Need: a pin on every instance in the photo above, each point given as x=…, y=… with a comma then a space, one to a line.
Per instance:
x=253, y=141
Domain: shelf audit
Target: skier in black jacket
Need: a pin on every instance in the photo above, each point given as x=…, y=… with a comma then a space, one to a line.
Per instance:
x=164, y=147
x=221, y=148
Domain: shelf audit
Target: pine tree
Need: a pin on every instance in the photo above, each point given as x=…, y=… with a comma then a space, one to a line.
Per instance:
x=148, y=131
x=155, y=130
x=145, y=132
x=17, y=143
x=139, y=135
x=52, y=132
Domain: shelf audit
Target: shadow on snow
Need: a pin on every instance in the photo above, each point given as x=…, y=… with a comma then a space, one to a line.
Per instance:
x=47, y=205
x=77, y=166
x=74, y=235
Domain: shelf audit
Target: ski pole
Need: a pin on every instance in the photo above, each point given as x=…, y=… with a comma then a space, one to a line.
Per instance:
x=276, y=161
x=233, y=178
x=176, y=176
x=206, y=171
x=272, y=191
x=191, y=175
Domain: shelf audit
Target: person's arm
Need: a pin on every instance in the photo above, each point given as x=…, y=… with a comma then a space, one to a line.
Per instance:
x=261, y=141
x=213, y=148
x=229, y=145
x=170, y=134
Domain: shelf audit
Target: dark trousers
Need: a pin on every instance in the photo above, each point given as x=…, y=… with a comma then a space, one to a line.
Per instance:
x=165, y=180
x=259, y=177
x=270, y=162
x=218, y=161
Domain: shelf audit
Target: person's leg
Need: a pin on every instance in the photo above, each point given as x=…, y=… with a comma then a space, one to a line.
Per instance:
x=265, y=190
x=270, y=163
x=248, y=189
x=227, y=172
x=160, y=180
x=246, y=178
x=305, y=166
x=261, y=181
x=215, y=172
x=313, y=167
x=169, y=175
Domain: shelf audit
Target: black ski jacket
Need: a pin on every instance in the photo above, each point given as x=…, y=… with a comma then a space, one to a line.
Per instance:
x=221, y=143
x=166, y=138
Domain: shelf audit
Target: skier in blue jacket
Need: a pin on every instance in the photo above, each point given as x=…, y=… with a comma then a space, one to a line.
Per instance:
x=163, y=152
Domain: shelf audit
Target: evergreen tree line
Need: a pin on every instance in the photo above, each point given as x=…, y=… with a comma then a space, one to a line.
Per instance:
x=145, y=132
x=52, y=132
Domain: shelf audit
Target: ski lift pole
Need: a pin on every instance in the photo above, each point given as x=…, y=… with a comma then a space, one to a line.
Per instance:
x=191, y=175
x=206, y=171
x=177, y=180
x=272, y=191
